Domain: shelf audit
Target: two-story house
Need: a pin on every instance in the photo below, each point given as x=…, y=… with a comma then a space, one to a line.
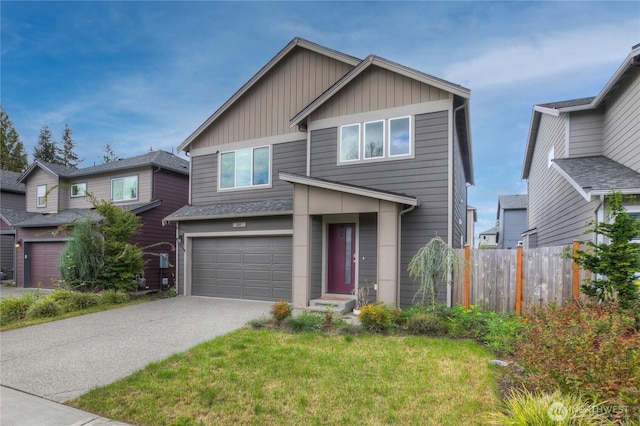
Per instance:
x=323, y=173
x=512, y=220
x=577, y=152
x=151, y=185
x=12, y=203
x=488, y=239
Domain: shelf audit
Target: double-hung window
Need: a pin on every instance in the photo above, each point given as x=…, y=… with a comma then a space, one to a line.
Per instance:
x=124, y=188
x=375, y=140
x=41, y=196
x=245, y=168
x=78, y=189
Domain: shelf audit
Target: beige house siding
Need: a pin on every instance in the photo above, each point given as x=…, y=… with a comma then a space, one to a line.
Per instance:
x=265, y=110
x=376, y=89
x=100, y=187
x=40, y=177
x=585, y=134
x=622, y=123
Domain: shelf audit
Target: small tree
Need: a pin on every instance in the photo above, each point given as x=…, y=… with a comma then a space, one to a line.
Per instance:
x=82, y=257
x=616, y=261
x=12, y=154
x=433, y=263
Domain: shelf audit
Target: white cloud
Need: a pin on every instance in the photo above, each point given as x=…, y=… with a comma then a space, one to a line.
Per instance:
x=507, y=62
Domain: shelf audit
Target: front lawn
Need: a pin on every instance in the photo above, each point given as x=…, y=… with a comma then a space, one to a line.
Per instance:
x=262, y=376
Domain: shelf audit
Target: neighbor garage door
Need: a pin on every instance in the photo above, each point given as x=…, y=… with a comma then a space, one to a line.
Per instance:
x=256, y=268
x=43, y=263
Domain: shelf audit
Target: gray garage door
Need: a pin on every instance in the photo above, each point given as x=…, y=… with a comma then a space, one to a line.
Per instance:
x=256, y=268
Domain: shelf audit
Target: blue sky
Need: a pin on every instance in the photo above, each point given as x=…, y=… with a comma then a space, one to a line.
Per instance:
x=137, y=75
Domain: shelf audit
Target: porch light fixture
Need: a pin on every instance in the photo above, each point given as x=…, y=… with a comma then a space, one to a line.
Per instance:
x=18, y=243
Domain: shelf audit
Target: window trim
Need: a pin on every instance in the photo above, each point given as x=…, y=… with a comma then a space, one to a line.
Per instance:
x=386, y=144
x=251, y=186
x=43, y=196
x=340, y=160
x=73, y=185
x=408, y=154
x=123, y=178
x=364, y=140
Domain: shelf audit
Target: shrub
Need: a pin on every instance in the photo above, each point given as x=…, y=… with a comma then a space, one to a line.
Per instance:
x=14, y=309
x=526, y=408
x=79, y=301
x=44, y=308
x=113, y=297
x=583, y=348
x=306, y=322
x=426, y=323
x=280, y=311
x=376, y=318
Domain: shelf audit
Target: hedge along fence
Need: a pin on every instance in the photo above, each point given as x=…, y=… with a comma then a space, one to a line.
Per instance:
x=514, y=280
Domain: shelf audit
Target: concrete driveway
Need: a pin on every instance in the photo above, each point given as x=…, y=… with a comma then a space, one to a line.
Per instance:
x=63, y=359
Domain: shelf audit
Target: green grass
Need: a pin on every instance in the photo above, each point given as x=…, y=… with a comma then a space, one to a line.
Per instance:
x=269, y=377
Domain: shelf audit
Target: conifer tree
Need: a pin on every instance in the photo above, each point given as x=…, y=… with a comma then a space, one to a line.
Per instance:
x=47, y=148
x=12, y=154
x=69, y=157
x=108, y=155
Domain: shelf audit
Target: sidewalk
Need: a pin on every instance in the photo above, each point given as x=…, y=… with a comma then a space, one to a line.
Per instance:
x=23, y=409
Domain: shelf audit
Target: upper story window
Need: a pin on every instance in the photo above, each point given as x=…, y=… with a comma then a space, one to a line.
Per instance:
x=375, y=140
x=124, y=189
x=79, y=189
x=41, y=196
x=245, y=168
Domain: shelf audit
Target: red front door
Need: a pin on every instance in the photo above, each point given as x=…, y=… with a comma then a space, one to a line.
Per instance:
x=341, y=262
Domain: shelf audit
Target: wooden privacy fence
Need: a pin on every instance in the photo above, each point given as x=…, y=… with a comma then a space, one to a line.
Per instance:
x=514, y=280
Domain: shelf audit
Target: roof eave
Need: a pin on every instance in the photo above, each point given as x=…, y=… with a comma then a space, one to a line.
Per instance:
x=170, y=219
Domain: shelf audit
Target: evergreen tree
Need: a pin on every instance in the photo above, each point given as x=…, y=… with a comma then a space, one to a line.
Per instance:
x=47, y=148
x=108, y=156
x=69, y=157
x=12, y=154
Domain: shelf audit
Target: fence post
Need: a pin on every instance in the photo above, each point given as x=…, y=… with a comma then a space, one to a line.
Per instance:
x=467, y=276
x=519, y=279
x=575, y=279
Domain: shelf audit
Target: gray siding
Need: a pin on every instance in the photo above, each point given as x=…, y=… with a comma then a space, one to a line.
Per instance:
x=585, y=134
x=622, y=123
x=555, y=208
x=12, y=200
x=459, y=200
x=7, y=253
x=368, y=253
x=290, y=157
x=514, y=224
x=316, y=257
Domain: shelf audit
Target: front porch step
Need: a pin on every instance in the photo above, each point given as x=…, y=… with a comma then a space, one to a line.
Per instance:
x=341, y=306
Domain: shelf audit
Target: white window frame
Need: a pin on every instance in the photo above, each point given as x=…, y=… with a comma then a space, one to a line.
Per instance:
x=77, y=185
x=408, y=154
x=340, y=160
x=41, y=196
x=124, y=178
x=364, y=140
x=235, y=171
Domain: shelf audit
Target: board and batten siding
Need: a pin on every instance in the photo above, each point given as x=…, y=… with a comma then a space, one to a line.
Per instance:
x=100, y=187
x=555, y=208
x=377, y=89
x=265, y=110
x=287, y=157
x=622, y=123
x=40, y=177
x=425, y=176
x=266, y=223
x=585, y=133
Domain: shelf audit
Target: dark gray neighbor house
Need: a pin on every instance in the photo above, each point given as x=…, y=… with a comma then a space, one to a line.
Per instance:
x=12, y=202
x=577, y=152
x=322, y=174
x=512, y=220
x=150, y=185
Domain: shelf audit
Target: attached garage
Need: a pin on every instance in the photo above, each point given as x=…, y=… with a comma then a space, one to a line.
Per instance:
x=247, y=267
x=42, y=263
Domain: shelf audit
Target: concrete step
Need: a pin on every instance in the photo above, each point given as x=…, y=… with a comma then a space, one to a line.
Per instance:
x=341, y=306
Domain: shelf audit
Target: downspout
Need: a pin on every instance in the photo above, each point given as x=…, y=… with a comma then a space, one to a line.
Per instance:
x=599, y=214
x=308, y=149
x=399, y=234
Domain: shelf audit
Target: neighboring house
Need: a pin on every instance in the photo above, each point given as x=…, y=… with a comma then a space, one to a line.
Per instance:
x=488, y=238
x=11, y=200
x=472, y=218
x=324, y=173
x=512, y=220
x=150, y=185
x=577, y=152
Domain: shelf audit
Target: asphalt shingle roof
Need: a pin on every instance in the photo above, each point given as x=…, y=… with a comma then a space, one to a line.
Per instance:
x=9, y=182
x=12, y=217
x=508, y=202
x=599, y=173
x=232, y=209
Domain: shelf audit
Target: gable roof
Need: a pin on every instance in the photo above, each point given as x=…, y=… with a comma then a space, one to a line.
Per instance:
x=492, y=231
x=508, y=202
x=597, y=175
x=12, y=217
x=351, y=60
x=556, y=108
x=162, y=159
x=9, y=182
